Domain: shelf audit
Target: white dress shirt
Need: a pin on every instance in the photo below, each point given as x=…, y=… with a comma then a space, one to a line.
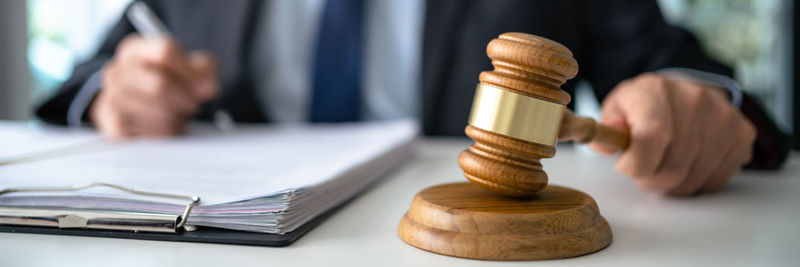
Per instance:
x=285, y=40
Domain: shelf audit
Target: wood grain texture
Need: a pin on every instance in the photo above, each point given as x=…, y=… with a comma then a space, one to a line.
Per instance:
x=533, y=66
x=536, y=67
x=518, y=217
x=585, y=130
x=503, y=164
x=530, y=65
x=463, y=220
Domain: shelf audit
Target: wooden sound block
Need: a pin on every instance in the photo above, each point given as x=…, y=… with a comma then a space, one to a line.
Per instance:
x=464, y=220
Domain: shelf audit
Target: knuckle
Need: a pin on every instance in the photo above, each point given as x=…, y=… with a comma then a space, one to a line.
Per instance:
x=727, y=114
x=164, y=52
x=127, y=42
x=632, y=166
x=625, y=168
x=656, y=132
x=749, y=132
x=657, y=85
x=128, y=46
x=109, y=120
x=696, y=97
x=669, y=179
x=745, y=132
x=655, y=79
x=747, y=157
x=116, y=116
x=649, y=76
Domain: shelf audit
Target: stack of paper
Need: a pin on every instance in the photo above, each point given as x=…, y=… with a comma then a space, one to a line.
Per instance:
x=269, y=179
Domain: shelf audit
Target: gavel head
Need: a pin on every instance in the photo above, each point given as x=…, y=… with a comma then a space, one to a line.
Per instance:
x=517, y=113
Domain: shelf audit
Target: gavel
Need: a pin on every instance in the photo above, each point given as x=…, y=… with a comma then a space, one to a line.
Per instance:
x=519, y=113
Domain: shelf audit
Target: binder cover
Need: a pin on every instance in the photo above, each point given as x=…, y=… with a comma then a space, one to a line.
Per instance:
x=201, y=235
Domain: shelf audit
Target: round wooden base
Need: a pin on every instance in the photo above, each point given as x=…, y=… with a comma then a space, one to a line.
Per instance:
x=464, y=220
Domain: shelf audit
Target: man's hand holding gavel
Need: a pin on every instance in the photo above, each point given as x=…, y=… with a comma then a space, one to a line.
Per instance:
x=686, y=137
x=152, y=87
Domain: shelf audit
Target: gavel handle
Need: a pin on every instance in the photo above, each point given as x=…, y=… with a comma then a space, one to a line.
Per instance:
x=585, y=130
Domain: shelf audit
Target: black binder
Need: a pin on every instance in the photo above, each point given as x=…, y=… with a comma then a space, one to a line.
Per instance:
x=201, y=235
x=127, y=225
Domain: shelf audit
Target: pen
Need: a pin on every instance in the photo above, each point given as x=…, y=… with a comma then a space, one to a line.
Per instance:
x=148, y=25
x=145, y=22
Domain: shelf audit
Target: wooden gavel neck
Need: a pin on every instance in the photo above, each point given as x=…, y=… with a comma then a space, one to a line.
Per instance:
x=585, y=130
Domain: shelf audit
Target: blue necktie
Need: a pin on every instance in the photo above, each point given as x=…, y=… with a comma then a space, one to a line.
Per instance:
x=337, y=65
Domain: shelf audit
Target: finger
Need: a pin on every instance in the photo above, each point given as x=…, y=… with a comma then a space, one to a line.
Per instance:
x=204, y=67
x=136, y=107
x=156, y=121
x=700, y=172
x=722, y=174
x=612, y=116
x=692, y=151
x=603, y=149
x=160, y=125
x=161, y=53
x=733, y=162
x=613, y=119
x=119, y=127
x=644, y=109
x=714, y=147
x=152, y=90
x=148, y=120
x=673, y=170
x=111, y=124
x=145, y=120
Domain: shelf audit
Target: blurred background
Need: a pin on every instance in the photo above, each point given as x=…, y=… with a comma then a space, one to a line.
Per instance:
x=43, y=39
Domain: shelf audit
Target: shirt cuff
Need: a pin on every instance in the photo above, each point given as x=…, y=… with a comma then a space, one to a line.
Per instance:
x=708, y=78
x=82, y=100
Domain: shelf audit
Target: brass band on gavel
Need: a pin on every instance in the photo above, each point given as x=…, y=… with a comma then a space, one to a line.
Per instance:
x=515, y=115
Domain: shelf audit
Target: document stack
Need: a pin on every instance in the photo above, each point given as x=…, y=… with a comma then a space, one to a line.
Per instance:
x=266, y=179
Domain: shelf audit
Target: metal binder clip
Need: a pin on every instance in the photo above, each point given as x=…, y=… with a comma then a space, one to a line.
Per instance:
x=98, y=219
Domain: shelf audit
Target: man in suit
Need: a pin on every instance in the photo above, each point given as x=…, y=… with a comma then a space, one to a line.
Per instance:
x=344, y=60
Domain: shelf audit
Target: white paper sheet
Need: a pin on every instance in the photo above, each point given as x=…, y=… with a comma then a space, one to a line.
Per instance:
x=253, y=162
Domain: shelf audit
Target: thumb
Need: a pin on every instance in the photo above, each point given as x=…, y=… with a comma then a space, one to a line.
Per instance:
x=612, y=115
x=206, y=81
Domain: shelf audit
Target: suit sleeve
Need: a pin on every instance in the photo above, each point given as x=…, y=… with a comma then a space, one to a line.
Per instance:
x=54, y=110
x=625, y=38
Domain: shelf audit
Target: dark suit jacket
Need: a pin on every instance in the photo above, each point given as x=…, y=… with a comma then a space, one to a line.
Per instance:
x=612, y=41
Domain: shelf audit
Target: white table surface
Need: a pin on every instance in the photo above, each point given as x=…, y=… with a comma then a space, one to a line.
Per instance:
x=755, y=221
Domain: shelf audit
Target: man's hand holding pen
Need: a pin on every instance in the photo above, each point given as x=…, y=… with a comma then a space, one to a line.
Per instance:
x=152, y=87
